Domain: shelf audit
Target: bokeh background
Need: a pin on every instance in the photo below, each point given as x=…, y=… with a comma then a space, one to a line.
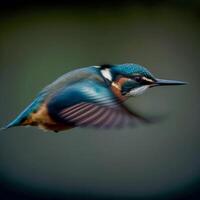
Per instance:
x=41, y=41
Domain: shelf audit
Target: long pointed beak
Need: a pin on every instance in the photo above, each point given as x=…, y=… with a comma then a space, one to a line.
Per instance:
x=163, y=82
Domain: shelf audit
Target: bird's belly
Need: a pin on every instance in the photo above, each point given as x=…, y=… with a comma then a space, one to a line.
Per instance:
x=42, y=119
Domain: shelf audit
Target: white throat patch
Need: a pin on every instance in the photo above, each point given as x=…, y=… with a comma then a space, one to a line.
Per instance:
x=138, y=91
x=106, y=74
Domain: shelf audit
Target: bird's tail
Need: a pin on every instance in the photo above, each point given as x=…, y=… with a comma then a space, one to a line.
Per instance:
x=3, y=128
x=10, y=125
x=18, y=121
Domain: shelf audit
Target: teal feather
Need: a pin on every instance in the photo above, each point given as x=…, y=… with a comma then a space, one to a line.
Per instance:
x=24, y=114
x=129, y=69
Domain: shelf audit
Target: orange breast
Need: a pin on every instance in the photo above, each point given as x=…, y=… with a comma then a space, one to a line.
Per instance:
x=42, y=119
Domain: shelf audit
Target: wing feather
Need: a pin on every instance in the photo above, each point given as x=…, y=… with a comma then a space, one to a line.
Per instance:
x=88, y=103
x=89, y=114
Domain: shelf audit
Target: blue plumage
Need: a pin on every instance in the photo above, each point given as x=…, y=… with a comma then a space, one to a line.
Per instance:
x=90, y=96
x=130, y=69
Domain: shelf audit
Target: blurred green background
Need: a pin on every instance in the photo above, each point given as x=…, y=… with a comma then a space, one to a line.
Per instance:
x=40, y=42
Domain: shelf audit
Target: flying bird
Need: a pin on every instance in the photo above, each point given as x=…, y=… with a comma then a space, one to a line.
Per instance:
x=90, y=97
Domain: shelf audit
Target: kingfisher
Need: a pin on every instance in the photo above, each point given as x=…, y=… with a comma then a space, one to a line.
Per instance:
x=90, y=97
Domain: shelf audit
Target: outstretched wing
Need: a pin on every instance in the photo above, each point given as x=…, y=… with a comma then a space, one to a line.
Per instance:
x=88, y=103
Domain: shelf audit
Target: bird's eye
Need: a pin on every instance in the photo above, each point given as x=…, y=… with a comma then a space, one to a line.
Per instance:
x=138, y=78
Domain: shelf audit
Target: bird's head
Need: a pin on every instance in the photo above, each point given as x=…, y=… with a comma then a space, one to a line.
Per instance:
x=133, y=79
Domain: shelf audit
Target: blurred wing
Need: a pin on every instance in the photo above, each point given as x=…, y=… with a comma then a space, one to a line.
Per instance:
x=88, y=103
x=88, y=114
